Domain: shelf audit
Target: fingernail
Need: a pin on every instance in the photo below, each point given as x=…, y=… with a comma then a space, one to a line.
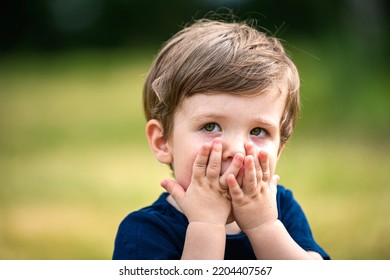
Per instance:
x=249, y=145
x=249, y=159
x=239, y=156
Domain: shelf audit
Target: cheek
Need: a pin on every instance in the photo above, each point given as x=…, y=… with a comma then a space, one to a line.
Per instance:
x=183, y=163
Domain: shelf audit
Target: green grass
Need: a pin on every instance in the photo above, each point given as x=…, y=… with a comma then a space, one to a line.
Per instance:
x=74, y=159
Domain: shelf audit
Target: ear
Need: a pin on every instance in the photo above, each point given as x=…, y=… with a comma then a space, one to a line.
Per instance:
x=157, y=141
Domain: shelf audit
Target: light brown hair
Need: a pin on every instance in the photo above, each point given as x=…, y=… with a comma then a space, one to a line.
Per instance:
x=214, y=56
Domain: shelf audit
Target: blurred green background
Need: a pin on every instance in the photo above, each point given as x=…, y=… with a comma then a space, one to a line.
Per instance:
x=73, y=155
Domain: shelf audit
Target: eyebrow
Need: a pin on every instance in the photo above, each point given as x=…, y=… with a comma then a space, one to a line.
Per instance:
x=267, y=122
x=208, y=116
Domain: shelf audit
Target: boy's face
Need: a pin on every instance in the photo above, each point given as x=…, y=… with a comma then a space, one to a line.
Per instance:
x=235, y=119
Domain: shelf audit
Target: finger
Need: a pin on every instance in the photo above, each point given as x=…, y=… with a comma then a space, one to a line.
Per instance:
x=175, y=190
x=240, y=176
x=250, y=150
x=200, y=163
x=264, y=163
x=234, y=188
x=214, y=165
x=234, y=168
x=273, y=184
x=249, y=183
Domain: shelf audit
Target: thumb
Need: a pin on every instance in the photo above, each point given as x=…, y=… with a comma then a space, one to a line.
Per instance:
x=174, y=189
x=273, y=183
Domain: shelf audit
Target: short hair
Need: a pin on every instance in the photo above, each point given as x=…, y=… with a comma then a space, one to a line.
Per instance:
x=214, y=56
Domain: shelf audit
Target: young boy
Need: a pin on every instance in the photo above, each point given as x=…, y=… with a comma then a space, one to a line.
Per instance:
x=221, y=100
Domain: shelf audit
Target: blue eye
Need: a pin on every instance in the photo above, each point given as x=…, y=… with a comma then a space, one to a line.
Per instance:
x=258, y=131
x=211, y=127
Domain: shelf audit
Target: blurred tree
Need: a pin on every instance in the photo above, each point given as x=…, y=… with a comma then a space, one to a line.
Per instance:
x=58, y=24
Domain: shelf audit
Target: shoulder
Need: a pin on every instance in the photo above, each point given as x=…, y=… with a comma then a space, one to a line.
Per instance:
x=156, y=228
x=160, y=213
x=294, y=219
x=283, y=191
x=284, y=195
x=289, y=210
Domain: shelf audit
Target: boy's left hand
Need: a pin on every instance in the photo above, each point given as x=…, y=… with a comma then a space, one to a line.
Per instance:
x=254, y=199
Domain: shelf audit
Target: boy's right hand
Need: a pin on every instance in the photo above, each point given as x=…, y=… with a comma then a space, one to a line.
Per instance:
x=205, y=200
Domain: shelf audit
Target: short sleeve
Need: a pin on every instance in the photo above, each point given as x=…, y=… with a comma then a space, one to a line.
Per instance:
x=144, y=236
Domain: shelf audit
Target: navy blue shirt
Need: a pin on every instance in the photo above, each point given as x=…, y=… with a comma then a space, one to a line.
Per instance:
x=158, y=232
